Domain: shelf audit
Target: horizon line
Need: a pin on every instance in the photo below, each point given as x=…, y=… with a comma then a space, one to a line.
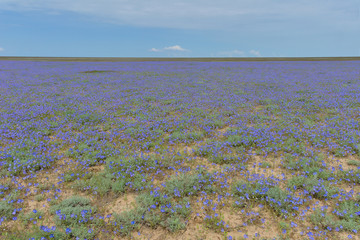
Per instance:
x=199, y=59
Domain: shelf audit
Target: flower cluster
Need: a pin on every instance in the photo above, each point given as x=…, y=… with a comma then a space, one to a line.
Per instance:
x=222, y=144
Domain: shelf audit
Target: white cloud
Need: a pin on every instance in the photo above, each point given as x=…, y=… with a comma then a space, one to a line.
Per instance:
x=154, y=50
x=239, y=53
x=175, y=48
x=255, y=53
x=171, y=48
x=203, y=14
x=1, y=49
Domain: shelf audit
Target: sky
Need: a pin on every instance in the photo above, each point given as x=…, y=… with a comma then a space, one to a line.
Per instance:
x=187, y=28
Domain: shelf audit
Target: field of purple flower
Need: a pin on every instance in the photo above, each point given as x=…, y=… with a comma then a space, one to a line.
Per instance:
x=180, y=150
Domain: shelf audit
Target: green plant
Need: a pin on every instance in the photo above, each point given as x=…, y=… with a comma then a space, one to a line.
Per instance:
x=82, y=232
x=73, y=209
x=128, y=221
x=284, y=225
x=45, y=186
x=24, y=158
x=215, y=222
x=174, y=223
x=236, y=140
x=217, y=123
x=223, y=159
x=322, y=219
x=356, y=148
x=247, y=191
x=31, y=216
x=354, y=163
x=76, y=174
x=153, y=210
x=349, y=213
x=185, y=136
x=184, y=185
x=39, y=234
x=265, y=165
x=278, y=200
x=315, y=187
x=5, y=209
x=4, y=189
x=349, y=176
x=119, y=186
x=76, y=213
x=88, y=118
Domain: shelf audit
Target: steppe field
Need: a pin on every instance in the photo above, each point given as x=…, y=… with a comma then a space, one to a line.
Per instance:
x=183, y=150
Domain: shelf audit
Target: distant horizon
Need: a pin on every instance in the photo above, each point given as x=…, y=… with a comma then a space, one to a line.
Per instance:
x=134, y=59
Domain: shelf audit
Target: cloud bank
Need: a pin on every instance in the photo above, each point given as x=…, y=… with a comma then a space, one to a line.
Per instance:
x=239, y=53
x=175, y=48
x=171, y=48
x=1, y=49
x=255, y=53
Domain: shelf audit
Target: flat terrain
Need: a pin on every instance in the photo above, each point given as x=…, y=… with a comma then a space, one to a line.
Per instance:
x=229, y=59
x=164, y=149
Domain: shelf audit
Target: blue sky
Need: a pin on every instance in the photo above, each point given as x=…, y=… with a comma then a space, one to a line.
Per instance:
x=188, y=28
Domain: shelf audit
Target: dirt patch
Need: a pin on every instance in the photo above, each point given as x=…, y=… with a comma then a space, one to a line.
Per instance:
x=212, y=167
x=344, y=163
x=121, y=204
x=98, y=168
